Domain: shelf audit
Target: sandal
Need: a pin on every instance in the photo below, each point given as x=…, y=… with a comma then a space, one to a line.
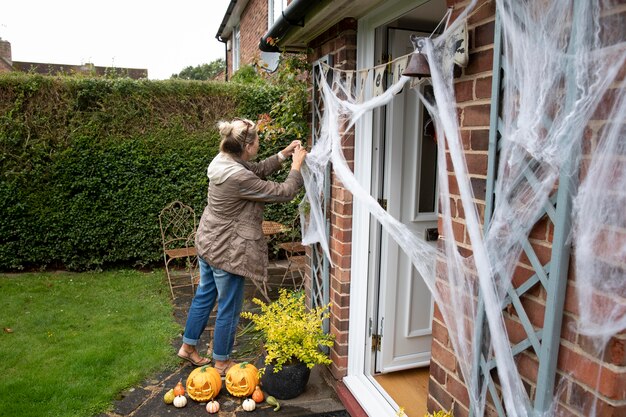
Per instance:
x=223, y=369
x=186, y=355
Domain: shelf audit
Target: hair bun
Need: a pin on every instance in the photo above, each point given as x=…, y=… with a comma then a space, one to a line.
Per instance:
x=225, y=128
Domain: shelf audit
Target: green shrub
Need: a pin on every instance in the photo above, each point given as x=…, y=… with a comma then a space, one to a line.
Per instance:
x=86, y=164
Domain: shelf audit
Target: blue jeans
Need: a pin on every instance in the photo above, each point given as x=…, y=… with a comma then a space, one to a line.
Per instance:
x=227, y=290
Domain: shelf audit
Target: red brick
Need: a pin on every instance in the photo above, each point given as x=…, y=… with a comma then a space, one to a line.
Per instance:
x=465, y=139
x=437, y=373
x=476, y=163
x=340, y=312
x=527, y=366
x=441, y=395
x=340, y=299
x=568, y=329
x=459, y=231
x=485, y=9
x=483, y=34
x=540, y=229
x=479, y=188
x=535, y=311
x=445, y=357
x=458, y=390
x=342, y=275
x=440, y=333
x=477, y=115
x=460, y=410
x=483, y=88
x=460, y=210
x=452, y=185
x=479, y=140
x=479, y=62
x=521, y=275
x=587, y=403
x=340, y=260
x=344, y=209
x=342, y=222
x=609, y=383
x=342, y=235
x=342, y=248
x=463, y=90
x=543, y=253
x=514, y=329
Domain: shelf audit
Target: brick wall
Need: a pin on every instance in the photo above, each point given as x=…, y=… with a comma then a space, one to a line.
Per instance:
x=582, y=375
x=252, y=26
x=340, y=43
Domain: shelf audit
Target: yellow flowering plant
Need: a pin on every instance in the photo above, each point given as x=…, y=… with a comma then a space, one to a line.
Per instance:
x=291, y=332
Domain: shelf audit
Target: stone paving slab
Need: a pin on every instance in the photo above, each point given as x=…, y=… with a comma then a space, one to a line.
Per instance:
x=146, y=400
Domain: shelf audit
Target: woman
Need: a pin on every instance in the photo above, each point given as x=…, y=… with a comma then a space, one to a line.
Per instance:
x=230, y=240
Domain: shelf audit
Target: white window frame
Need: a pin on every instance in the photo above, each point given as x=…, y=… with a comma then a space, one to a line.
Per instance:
x=275, y=8
x=236, y=47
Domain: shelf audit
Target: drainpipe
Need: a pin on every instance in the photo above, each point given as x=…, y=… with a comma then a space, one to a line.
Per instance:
x=225, y=42
x=292, y=16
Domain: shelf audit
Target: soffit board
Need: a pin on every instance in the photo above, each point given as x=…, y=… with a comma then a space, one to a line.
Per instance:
x=234, y=18
x=322, y=17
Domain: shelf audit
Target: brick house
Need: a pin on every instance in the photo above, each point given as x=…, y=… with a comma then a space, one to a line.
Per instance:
x=8, y=65
x=244, y=23
x=369, y=352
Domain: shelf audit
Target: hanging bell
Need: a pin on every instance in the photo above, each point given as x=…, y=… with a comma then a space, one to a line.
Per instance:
x=418, y=65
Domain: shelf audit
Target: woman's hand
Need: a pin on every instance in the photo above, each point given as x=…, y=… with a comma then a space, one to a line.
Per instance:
x=288, y=151
x=298, y=157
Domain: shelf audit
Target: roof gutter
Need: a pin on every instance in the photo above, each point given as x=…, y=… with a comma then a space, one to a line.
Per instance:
x=291, y=17
x=218, y=36
x=229, y=11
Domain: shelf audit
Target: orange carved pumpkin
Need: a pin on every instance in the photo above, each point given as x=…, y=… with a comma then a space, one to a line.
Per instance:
x=242, y=379
x=204, y=383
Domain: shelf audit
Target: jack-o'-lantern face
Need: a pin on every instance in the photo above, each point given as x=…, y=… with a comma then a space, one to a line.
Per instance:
x=241, y=379
x=203, y=384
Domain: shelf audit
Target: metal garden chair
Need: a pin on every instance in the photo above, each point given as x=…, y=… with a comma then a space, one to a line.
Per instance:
x=178, y=227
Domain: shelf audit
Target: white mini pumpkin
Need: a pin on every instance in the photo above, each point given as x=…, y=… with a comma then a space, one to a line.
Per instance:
x=212, y=407
x=180, y=401
x=248, y=404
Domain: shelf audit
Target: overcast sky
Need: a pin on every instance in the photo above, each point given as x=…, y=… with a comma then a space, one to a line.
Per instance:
x=163, y=37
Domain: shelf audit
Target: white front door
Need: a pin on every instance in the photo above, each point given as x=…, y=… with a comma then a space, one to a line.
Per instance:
x=370, y=310
x=410, y=191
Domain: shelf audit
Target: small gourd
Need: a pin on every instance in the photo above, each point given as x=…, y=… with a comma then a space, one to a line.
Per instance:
x=257, y=395
x=273, y=402
x=180, y=401
x=179, y=389
x=212, y=407
x=169, y=396
x=248, y=404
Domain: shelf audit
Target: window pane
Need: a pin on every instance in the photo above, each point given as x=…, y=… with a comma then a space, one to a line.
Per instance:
x=428, y=164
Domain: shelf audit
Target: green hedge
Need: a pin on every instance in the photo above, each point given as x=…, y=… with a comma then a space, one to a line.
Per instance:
x=86, y=165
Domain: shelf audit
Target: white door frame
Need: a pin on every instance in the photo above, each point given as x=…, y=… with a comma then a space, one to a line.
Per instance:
x=359, y=380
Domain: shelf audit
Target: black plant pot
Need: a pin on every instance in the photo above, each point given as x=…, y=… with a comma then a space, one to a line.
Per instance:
x=287, y=383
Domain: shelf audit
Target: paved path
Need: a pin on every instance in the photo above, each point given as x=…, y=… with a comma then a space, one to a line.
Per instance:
x=146, y=400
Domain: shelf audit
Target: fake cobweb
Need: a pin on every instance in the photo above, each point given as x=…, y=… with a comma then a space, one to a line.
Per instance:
x=562, y=113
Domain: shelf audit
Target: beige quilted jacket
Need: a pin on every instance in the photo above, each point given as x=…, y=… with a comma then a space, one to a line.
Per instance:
x=229, y=235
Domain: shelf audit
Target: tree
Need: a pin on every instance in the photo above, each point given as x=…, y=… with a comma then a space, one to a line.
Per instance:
x=202, y=72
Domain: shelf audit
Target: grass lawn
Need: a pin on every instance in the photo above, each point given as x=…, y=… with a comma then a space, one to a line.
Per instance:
x=71, y=342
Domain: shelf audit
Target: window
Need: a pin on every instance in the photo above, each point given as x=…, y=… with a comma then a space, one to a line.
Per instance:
x=236, y=48
x=275, y=10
